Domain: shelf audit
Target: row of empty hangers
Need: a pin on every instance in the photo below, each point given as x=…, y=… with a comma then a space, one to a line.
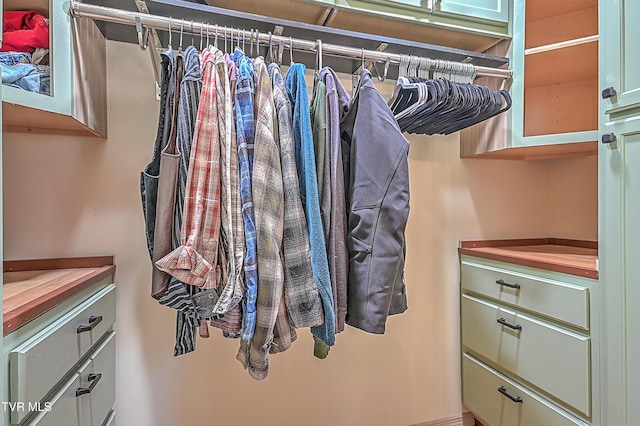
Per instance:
x=439, y=97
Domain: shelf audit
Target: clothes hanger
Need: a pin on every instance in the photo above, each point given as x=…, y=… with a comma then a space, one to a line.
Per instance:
x=193, y=41
x=318, y=57
x=413, y=94
x=257, y=43
x=170, y=32
x=181, y=29
x=280, y=51
x=290, y=51
x=201, y=32
x=386, y=69
x=402, y=73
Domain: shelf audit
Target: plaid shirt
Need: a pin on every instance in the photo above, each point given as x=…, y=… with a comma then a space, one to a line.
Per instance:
x=301, y=293
x=245, y=137
x=231, y=322
x=195, y=260
x=269, y=213
x=231, y=230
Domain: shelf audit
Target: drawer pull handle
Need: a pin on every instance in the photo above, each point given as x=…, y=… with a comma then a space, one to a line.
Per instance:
x=94, y=379
x=93, y=321
x=505, y=323
x=503, y=391
x=506, y=284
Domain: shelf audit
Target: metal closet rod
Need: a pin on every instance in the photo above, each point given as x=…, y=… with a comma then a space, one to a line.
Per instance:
x=108, y=14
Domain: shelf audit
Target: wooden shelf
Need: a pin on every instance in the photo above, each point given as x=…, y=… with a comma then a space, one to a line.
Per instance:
x=32, y=287
x=568, y=26
x=542, y=9
x=573, y=257
x=561, y=90
x=566, y=65
x=566, y=108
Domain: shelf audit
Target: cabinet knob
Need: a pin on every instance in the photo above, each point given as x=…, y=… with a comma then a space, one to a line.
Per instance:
x=608, y=137
x=609, y=92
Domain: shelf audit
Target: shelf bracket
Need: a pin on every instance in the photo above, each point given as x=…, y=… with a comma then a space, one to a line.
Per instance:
x=153, y=45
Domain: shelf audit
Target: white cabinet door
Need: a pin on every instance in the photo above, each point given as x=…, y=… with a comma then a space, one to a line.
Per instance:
x=493, y=10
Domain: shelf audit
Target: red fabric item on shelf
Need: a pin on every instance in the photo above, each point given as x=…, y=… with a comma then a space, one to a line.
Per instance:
x=24, y=31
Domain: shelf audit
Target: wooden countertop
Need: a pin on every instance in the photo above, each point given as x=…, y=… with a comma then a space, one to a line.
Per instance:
x=573, y=257
x=32, y=287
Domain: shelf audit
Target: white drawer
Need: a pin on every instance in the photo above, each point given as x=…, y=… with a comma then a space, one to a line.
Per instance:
x=61, y=409
x=559, y=300
x=38, y=364
x=549, y=357
x=488, y=395
x=87, y=398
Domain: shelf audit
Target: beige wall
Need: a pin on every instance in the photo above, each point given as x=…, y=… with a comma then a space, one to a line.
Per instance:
x=70, y=196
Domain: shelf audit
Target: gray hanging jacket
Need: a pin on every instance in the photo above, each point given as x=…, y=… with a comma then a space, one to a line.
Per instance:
x=377, y=174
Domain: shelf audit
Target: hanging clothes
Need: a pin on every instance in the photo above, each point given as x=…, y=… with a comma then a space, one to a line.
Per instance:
x=180, y=296
x=268, y=200
x=194, y=261
x=233, y=239
x=305, y=161
x=301, y=295
x=333, y=200
x=245, y=132
x=319, y=131
x=150, y=176
x=276, y=213
x=378, y=209
x=231, y=245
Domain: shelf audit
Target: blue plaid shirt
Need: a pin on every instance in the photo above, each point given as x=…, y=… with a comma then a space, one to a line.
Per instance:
x=245, y=136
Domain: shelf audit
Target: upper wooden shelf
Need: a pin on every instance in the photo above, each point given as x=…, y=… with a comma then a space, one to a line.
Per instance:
x=542, y=9
x=32, y=287
x=559, y=28
x=560, y=255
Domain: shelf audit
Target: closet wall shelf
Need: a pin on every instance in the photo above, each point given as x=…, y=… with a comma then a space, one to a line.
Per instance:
x=562, y=45
x=32, y=287
x=342, y=49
